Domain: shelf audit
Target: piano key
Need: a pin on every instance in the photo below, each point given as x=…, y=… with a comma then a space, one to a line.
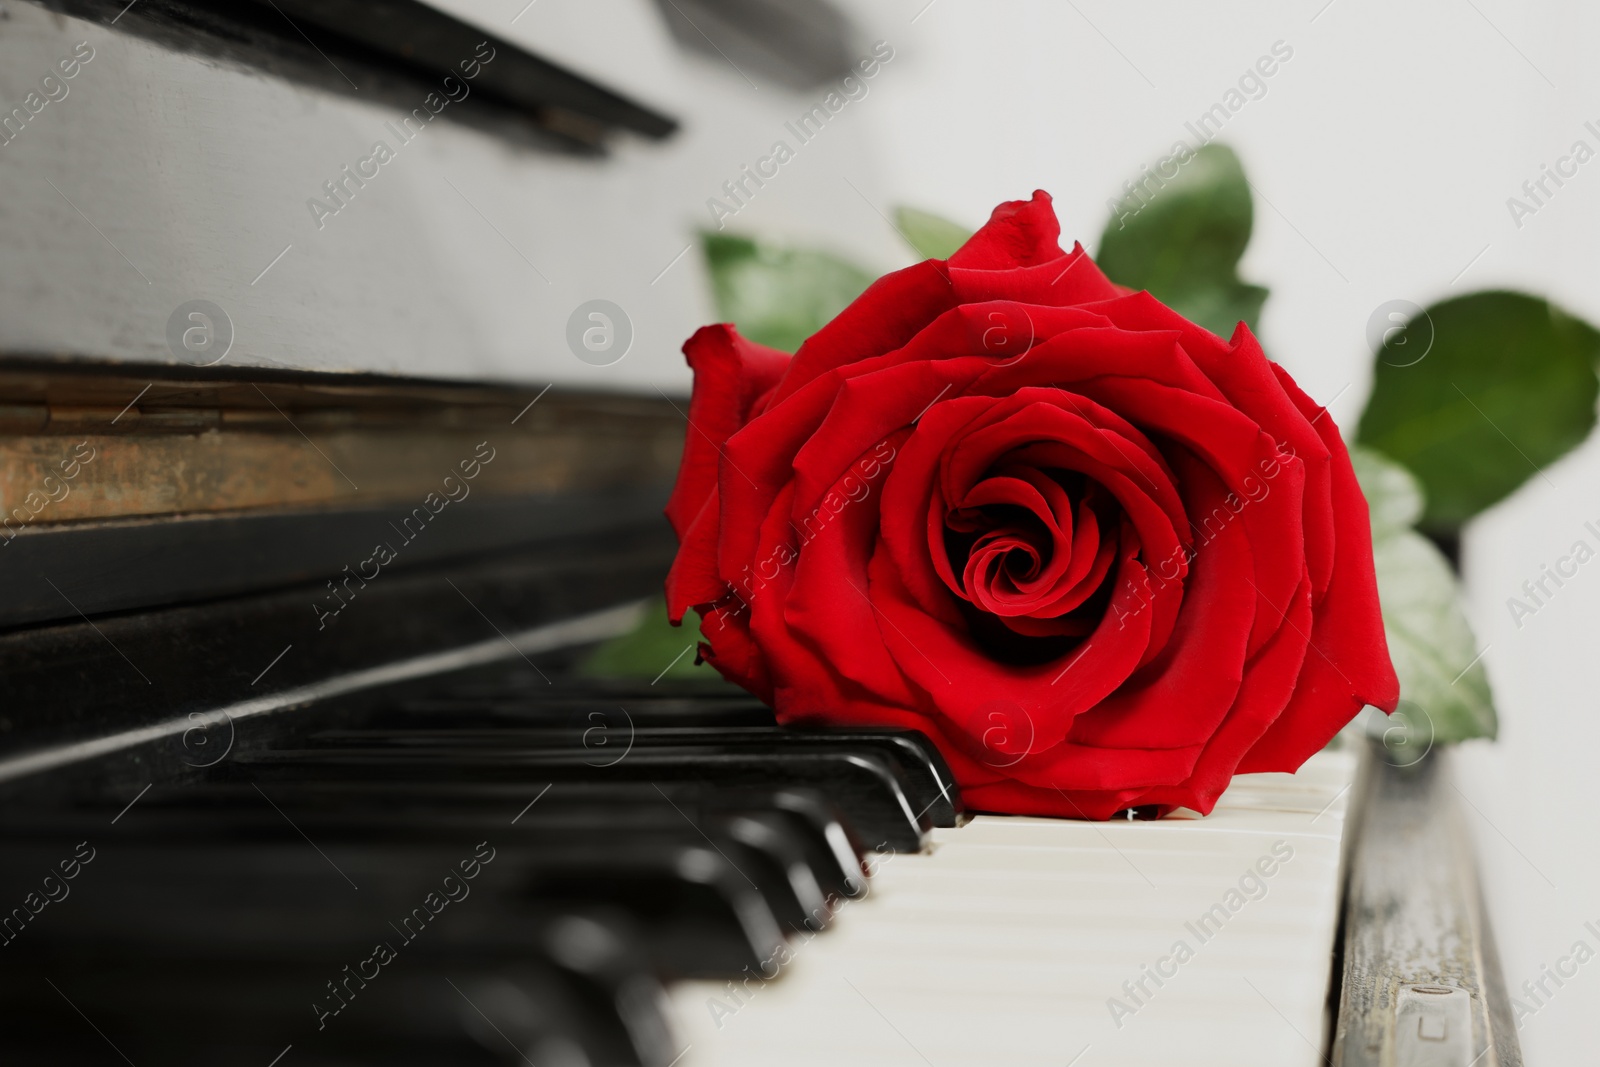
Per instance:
x=580, y=992
x=1009, y=940
x=834, y=856
x=770, y=836
x=865, y=786
x=763, y=847
x=926, y=777
x=260, y=882
x=832, y=853
x=514, y=679
x=779, y=846
x=579, y=713
x=517, y=687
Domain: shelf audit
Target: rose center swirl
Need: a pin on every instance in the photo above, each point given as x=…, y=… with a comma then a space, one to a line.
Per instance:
x=1032, y=553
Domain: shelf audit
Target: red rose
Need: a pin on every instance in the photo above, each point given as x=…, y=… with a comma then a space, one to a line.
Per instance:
x=1100, y=556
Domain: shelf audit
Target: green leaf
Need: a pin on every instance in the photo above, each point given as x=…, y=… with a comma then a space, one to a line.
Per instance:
x=1394, y=496
x=930, y=235
x=646, y=650
x=775, y=295
x=1507, y=387
x=1181, y=238
x=1442, y=680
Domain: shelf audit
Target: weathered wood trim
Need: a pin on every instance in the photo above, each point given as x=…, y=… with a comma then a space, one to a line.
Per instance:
x=78, y=446
x=1421, y=979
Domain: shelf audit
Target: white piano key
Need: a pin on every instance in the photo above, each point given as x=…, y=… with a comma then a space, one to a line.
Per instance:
x=1011, y=939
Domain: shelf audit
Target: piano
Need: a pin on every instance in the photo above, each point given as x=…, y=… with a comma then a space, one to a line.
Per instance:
x=303, y=756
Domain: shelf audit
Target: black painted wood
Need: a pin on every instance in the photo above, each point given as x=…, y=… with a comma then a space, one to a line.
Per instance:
x=51, y=573
x=392, y=51
x=76, y=681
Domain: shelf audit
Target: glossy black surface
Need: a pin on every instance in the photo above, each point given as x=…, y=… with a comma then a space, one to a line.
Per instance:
x=638, y=832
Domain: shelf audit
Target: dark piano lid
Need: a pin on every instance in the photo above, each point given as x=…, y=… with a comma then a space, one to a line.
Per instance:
x=386, y=50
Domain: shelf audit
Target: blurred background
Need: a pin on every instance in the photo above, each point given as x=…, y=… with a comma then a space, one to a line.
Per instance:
x=1382, y=154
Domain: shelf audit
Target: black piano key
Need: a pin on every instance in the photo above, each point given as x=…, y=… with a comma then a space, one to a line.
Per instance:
x=768, y=846
x=864, y=785
x=770, y=836
x=574, y=996
x=580, y=713
x=189, y=877
x=830, y=851
x=927, y=779
x=516, y=680
x=834, y=853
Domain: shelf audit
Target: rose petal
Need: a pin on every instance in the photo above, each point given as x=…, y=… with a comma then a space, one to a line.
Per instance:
x=1349, y=665
x=932, y=652
x=828, y=609
x=694, y=579
x=1245, y=377
x=730, y=374
x=1019, y=233
x=892, y=311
